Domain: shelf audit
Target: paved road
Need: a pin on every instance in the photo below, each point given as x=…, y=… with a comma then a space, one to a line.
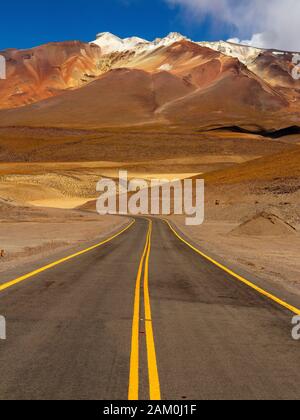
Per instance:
x=144, y=316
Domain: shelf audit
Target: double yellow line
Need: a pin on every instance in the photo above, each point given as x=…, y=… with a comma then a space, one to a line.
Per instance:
x=154, y=385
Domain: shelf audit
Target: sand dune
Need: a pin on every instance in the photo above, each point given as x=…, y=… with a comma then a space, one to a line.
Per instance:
x=264, y=224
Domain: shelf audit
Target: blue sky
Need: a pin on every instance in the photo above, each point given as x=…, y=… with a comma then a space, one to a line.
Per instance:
x=29, y=23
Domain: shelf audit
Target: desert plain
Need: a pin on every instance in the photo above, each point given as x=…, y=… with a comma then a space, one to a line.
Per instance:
x=73, y=112
x=48, y=183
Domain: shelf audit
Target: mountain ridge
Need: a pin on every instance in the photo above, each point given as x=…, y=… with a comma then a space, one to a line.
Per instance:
x=183, y=82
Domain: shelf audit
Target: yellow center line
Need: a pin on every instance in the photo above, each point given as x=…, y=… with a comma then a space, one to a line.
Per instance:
x=133, y=393
x=154, y=385
x=55, y=263
x=237, y=276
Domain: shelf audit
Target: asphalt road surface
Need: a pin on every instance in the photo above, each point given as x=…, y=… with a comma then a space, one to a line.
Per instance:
x=144, y=316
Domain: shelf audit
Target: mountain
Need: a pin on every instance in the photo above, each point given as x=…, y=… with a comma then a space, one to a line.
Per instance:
x=172, y=80
x=119, y=97
x=244, y=53
x=47, y=71
x=276, y=67
x=111, y=43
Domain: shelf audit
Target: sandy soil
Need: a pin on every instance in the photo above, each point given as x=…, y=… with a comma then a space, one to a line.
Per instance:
x=181, y=150
x=273, y=258
x=67, y=183
x=70, y=203
x=234, y=229
x=235, y=232
x=28, y=234
x=245, y=175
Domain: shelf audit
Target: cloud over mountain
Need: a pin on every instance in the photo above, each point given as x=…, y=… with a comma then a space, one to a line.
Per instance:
x=266, y=23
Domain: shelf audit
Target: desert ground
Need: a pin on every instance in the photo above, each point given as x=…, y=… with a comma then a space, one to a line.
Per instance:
x=29, y=233
x=48, y=183
x=256, y=233
x=253, y=217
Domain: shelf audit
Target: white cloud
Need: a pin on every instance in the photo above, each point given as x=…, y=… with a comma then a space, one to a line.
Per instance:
x=257, y=40
x=267, y=23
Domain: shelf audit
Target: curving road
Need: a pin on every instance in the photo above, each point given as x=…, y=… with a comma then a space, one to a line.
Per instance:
x=144, y=316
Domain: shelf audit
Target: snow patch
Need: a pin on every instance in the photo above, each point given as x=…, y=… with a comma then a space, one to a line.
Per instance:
x=244, y=53
x=110, y=43
x=169, y=39
x=166, y=67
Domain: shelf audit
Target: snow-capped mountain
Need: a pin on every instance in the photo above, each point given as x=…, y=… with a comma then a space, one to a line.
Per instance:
x=174, y=64
x=245, y=53
x=110, y=43
x=169, y=40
